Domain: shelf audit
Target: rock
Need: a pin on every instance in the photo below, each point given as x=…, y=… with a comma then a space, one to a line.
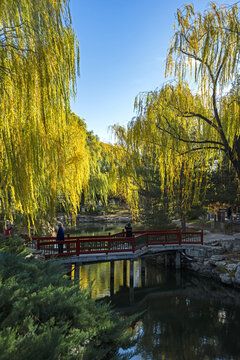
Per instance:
x=195, y=267
x=216, y=258
x=220, y=263
x=225, y=278
x=231, y=267
x=237, y=273
x=236, y=281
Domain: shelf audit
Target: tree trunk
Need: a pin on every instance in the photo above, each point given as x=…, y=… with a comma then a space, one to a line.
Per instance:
x=183, y=222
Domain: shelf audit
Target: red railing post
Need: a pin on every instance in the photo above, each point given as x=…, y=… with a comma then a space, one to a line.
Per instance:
x=78, y=246
x=133, y=248
x=109, y=243
x=202, y=237
x=68, y=245
x=38, y=244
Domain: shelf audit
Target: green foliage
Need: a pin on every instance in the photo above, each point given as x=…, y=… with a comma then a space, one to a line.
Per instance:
x=44, y=316
x=195, y=212
x=223, y=187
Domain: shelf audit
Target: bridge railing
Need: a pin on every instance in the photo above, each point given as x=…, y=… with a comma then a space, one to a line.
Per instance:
x=77, y=245
x=174, y=237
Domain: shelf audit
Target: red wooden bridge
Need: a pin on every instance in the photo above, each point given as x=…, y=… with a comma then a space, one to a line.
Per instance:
x=114, y=243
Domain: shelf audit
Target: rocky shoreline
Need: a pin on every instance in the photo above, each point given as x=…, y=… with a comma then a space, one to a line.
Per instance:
x=216, y=259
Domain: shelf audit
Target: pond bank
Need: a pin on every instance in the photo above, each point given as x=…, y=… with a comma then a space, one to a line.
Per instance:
x=218, y=258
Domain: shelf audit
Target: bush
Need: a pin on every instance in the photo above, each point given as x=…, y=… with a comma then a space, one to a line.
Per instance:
x=44, y=316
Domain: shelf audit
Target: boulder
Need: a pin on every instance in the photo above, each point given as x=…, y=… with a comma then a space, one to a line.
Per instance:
x=225, y=279
x=220, y=263
x=231, y=267
x=216, y=258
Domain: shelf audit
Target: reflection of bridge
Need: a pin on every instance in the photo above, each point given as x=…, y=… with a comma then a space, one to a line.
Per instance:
x=87, y=249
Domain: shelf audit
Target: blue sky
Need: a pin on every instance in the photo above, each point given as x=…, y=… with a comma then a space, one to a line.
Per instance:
x=123, y=46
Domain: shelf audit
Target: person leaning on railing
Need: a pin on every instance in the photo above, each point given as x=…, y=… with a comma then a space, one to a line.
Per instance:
x=128, y=228
x=60, y=237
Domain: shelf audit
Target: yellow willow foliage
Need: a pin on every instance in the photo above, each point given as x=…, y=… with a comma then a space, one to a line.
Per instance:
x=152, y=141
x=73, y=178
x=207, y=47
x=103, y=177
x=39, y=154
x=182, y=131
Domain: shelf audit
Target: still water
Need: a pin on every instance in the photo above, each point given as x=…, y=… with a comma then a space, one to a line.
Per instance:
x=184, y=317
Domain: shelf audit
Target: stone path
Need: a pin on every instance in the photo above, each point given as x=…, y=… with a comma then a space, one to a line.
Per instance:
x=209, y=237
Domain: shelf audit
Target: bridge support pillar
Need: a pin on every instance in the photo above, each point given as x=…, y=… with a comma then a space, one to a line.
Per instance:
x=112, y=278
x=166, y=260
x=131, y=287
x=143, y=271
x=178, y=278
x=131, y=272
x=178, y=260
x=124, y=273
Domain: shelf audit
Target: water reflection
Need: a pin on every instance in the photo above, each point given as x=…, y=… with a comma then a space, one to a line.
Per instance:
x=185, y=318
x=107, y=278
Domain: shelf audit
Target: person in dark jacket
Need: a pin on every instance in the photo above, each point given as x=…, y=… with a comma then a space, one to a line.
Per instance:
x=60, y=237
x=229, y=213
x=128, y=228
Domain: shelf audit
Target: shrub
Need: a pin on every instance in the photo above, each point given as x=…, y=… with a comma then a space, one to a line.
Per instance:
x=44, y=316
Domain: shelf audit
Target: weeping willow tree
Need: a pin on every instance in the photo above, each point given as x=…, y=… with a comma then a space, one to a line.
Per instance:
x=103, y=182
x=206, y=48
x=42, y=147
x=192, y=121
x=148, y=164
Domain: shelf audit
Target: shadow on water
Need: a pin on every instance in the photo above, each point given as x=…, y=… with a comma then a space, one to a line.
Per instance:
x=185, y=317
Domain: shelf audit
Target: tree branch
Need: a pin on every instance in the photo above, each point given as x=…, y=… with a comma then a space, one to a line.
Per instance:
x=203, y=148
x=177, y=137
x=192, y=114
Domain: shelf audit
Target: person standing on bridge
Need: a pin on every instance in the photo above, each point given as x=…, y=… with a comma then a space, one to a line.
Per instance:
x=128, y=228
x=60, y=237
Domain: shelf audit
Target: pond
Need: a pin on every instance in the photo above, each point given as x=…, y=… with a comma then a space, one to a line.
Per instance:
x=95, y=228
x=184, y=316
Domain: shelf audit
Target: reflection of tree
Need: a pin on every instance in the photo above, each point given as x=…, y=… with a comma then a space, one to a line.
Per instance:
x=195, y=321
x=180, y=329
